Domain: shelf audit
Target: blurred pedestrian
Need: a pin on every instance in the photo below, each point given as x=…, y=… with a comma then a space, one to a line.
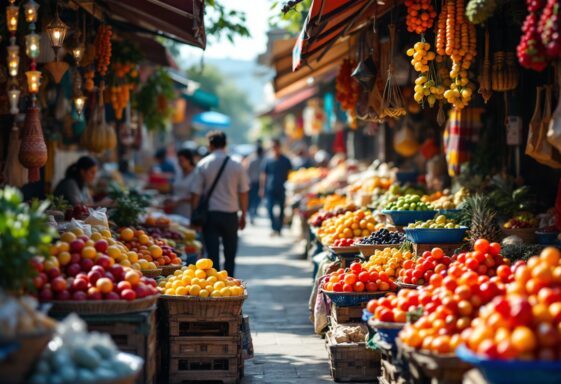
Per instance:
x=222, y=183
x=164, y=165
x=180, y=203
x=274, y=174
x=254, y=163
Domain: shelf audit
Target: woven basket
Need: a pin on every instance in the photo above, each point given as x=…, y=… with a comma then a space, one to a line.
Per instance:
x=206, y=308
x=170, y=269
x=103, y=307
x=152, y=272
x=528, y=235
x=17, y=365
x=369, y=249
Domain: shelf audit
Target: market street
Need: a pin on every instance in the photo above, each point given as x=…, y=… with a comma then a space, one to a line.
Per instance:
x=279, y=284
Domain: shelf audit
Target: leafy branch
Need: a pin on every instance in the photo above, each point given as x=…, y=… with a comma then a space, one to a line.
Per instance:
x=222, y=22
x=154, y=100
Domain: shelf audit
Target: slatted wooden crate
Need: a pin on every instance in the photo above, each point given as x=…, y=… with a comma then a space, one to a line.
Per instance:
x=185, y=325
x=392, y=369
x=343, y=315
x=350, y=362
x=228, y=346
x=198, y=369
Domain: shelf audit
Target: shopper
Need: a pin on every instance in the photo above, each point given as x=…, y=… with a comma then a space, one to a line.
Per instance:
x=163, y=164
x=229, y=196
x=254, y=164
x=273, y=177
x=181, y=201
x=74, y=188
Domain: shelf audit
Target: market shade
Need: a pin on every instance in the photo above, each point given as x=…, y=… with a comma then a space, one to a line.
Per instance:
x=182, y=20
x=327, y=21
x=293, y=100
x=211, y=120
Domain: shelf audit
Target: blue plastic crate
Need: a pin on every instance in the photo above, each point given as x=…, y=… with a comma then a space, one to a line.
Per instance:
x=403, y=218
x=436, y=235
x=348, y=299
x=547, y=238
x=513, y=371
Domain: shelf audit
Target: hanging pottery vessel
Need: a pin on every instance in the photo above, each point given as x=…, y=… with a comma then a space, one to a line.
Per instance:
x=33, y=150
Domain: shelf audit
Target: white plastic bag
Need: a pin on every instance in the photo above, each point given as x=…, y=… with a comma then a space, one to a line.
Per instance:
x=97, y=218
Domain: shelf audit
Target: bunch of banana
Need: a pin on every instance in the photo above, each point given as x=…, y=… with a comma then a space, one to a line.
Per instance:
x=478, y=11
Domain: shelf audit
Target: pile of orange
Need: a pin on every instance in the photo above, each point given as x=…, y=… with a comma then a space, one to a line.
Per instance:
x=151, y=254
x=356, y=224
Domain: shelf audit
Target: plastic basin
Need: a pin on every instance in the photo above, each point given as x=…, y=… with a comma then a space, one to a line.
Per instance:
x=403, y=218
x=436, y=235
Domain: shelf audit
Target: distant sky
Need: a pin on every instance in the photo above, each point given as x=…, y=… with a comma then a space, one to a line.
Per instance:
x=243, y=48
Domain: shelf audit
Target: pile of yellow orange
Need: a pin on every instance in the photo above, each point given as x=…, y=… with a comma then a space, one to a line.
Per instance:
x=201, y=280
x=349, y=225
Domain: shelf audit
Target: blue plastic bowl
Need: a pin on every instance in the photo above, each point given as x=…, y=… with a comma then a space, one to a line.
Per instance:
x=348, y=299
x=406, y=177
x=366, y=315
x=403, y=218
x=513, y=371
x=547, y=238
x=387, y=332
x=435, y=235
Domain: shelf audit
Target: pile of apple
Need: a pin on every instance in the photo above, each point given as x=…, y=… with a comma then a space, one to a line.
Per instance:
x=524, y=323
x=419, y=272
x=78, y=268
x=394, y=308
x=358, y=279
x=452, y=299
x=155, y=253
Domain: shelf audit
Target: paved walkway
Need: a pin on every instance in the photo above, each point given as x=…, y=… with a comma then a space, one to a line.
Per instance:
x=279, y=285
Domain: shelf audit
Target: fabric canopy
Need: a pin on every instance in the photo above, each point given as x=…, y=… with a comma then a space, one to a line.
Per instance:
x=327, y=21
x=211, y=120
x=182, y=20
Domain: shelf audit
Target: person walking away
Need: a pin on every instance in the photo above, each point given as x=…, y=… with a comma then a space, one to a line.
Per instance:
x=74, y=188
x=274, y=174
x=163, y=164
x=254, y=164
x=180, y=202
x=229, y=196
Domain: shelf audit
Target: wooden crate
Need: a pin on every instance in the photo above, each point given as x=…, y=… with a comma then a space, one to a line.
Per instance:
x=447, y=248
x=343, y=315
x=134, y=333
x=229, y=346
x=206, y=308
x=413, y=373
x=194, y=369
x=350, y=362
x=188, y=326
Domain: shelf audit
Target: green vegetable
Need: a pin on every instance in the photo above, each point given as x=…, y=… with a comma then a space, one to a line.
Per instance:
x=128, y=207
x=24, y=233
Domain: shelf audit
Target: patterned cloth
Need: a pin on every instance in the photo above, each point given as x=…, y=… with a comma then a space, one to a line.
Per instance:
x=460, y=135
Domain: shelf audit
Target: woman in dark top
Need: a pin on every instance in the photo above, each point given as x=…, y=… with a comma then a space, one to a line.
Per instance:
x=74, y=186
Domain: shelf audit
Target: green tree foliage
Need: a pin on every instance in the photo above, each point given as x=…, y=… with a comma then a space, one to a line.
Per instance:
x=291, y=21
x=222, y=22
x=233, y=101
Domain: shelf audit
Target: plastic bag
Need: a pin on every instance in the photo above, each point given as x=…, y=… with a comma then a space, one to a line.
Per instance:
x=535, y=127
x=97, y=218
x=86, y=228
x=545, y=153
x=554, y=130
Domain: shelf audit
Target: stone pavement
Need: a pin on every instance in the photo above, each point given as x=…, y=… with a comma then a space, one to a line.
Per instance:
x=279, y=284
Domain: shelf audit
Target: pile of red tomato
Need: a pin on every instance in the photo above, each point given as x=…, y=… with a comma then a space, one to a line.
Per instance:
x=358, y=279
x=420, y=271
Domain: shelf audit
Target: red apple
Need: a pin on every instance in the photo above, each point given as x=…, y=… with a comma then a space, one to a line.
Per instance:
x=93, y=276
x=123, y=285
x=151, y=291
x=140, y=291
x=40, y=280
x=46, y=294
x=79, y=285
x=104, y=262
x=53, y=273
x=80, y=296
x=73, y=269
x=110, y=276
x=84, y=238
x=101, y=246
x=58, y=284
x=99, y=269
x=128, y=294
x=77, y=245
x=37, y=263
x=117, y=271
x=63, y=295
x=112, y=296
x=86, y=264
x=83, y=275
x=75, y=258
x=94, y=294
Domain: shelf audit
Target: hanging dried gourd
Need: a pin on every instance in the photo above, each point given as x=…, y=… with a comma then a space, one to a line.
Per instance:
x=33, y=150
x=393, y=104
x=347, y=89
x=103, y=49
x=485, y=81
x=504, y=72
x=98, y=135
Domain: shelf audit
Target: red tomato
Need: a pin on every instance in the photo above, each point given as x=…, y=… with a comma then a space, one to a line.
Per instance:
x=372, y=305
x=494, y=248
x=481, y=245
x=371, y=286
x=437, y=253
x=359, y=286
x=356, y=267
x=364, y=277
x=386, y=315
x=347, y=288
x=373, y=275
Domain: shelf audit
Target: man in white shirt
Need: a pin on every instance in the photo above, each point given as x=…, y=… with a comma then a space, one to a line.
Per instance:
x=229, y=196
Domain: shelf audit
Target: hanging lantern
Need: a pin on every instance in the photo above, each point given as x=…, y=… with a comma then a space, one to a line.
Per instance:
x=32, y=45
x=12, y=13
x=13, y=96
x=33, y=81
x=33, y=150
x=13, y=60
x=78, y=53
x=31, y=11
x=79, y=104
x=57, y=32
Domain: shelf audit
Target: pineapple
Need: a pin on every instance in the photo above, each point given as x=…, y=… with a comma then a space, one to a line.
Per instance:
x=481, y=218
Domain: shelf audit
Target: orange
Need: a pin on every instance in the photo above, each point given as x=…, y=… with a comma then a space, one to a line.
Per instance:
x=143, y=239
x=64, y=258
x=127, y=234
x=89, y=252
x=114, y=251
x=155, y=251
x=104, y=285
x=550, y=256
x=195, y=290
x=132, y=277
x=523, y=339
x=68, y=237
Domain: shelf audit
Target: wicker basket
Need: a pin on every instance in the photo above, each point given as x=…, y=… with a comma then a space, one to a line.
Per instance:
x=170, y=269
x=207, y=308
x=152, y=272
x=16, y=366
x=528, y=235
x=102, y=307
x=369, y=249
x=352, y=361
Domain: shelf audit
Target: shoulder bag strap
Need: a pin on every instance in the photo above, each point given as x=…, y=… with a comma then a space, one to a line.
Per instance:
x=217, y=178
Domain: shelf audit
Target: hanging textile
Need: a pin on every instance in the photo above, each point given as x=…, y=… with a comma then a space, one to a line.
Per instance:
x=460, y=134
